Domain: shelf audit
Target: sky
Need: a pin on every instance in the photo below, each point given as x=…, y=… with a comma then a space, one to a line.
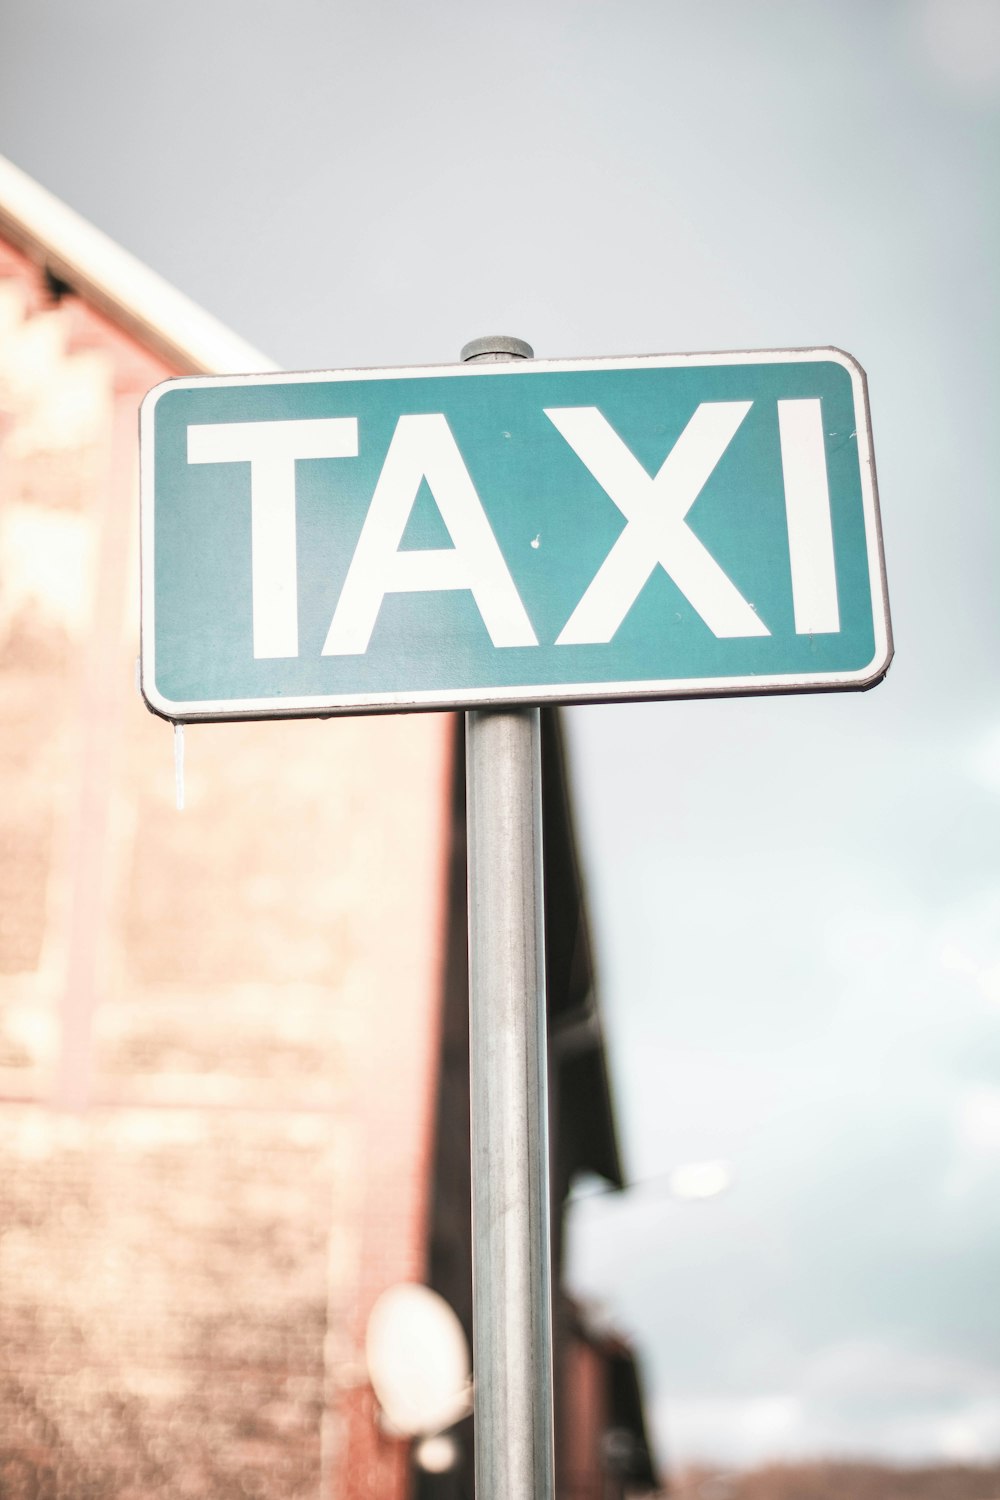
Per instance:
x=795, y=901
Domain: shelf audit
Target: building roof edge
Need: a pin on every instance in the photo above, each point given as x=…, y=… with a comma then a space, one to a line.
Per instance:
x=119, y=285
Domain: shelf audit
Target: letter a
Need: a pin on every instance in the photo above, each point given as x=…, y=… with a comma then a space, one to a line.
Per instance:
x=423, y=447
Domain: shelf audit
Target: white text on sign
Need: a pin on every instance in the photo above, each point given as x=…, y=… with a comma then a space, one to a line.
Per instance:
x=423, y=448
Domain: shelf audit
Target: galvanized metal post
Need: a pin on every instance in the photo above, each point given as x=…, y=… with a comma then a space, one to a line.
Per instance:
x=511, y=1260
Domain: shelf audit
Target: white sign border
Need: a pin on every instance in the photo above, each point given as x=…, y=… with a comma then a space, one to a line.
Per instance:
x=334, y=705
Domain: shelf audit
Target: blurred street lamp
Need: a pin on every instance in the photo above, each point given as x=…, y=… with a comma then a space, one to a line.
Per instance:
x=688, y=1182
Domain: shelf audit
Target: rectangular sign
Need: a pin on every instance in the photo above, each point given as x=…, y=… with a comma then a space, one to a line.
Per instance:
x=524, y=532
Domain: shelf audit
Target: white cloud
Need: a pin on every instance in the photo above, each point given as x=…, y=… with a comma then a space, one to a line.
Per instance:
x=960, y=40
x=983, y=761
x=969, y=945
x=978, y=1123
x=852, y=1399
x=976, y=1132
x=728, y=1429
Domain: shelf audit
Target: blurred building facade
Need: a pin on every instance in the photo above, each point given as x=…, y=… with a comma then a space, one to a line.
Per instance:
x=233, y=1040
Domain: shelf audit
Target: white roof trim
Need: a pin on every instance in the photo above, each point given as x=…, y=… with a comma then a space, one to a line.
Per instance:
x=132, y=295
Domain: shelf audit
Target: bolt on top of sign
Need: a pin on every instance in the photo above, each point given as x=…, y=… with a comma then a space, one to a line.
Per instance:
x=525, y=532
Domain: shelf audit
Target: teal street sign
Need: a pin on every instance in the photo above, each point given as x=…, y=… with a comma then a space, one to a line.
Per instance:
x=524, y=532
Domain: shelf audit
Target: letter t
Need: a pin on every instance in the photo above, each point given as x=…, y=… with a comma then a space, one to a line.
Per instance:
x=271, y=449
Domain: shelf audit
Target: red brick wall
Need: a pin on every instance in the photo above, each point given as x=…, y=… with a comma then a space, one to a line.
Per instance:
x=585, y=1417
x=217, y=1027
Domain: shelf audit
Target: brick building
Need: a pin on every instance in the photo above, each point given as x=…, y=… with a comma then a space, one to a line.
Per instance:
x=233, y=1040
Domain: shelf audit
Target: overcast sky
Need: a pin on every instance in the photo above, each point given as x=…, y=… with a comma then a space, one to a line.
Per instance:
x=796, y=902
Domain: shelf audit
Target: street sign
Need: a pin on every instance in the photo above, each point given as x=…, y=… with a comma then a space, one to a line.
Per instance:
x=524, y=532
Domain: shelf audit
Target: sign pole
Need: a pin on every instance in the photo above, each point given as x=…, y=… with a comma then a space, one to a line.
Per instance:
x=511, y=1260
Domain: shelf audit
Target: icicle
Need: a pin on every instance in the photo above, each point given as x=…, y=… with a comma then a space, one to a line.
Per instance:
x=179, y=765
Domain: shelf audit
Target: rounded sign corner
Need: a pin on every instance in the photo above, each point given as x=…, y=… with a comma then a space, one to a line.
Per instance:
x=847, y=361
x=154, y=394
x=874, y=673
x=157, y=704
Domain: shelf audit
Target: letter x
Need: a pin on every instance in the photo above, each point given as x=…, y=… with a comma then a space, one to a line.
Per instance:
x=656, y=532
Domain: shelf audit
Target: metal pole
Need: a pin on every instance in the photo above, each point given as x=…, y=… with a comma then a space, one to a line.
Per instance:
x=511, y=1259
